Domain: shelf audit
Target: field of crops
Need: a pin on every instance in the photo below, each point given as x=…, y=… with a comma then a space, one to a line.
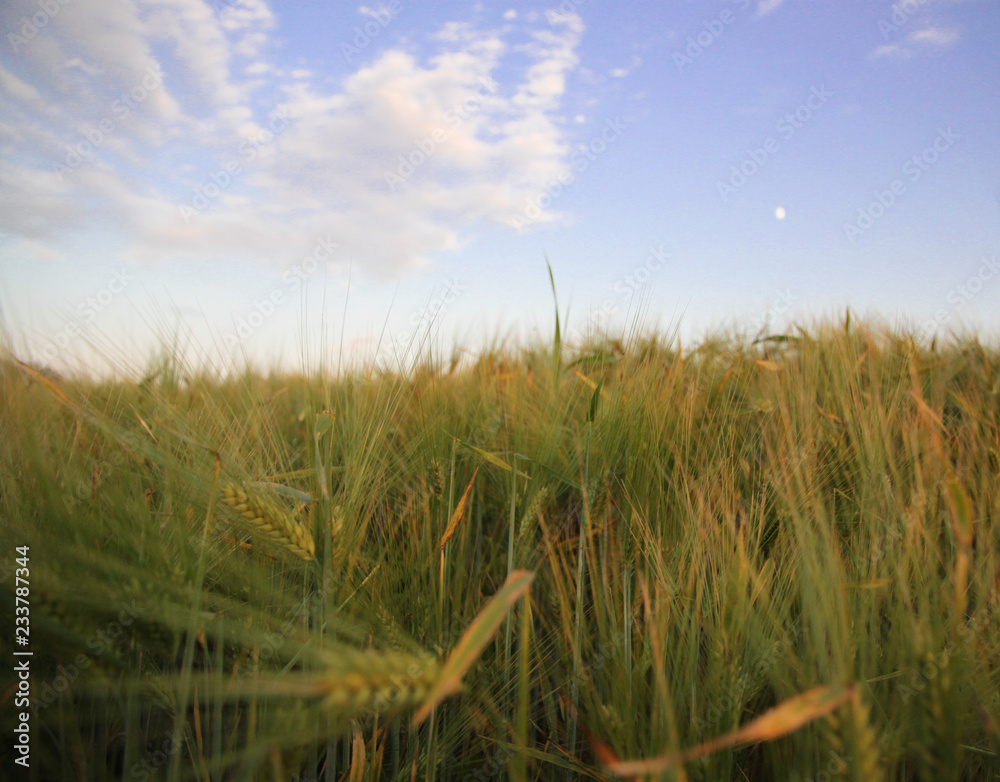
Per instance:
x=770, y=560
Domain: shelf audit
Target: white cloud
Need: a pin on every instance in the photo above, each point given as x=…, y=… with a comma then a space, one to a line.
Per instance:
x=381, y=14
x=891, y=51
x=36, y=251
x=926, y=40
x=400, y=161
x=19, y=90
x=765, y=7
x=618, y=73
x=90, y=70
x=935, y=36
x=200, y=46
x=239, y=15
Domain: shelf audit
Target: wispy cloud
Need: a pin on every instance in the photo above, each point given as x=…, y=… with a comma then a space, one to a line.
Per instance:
x=620, y=73
x=765, y=7
x=475, y=149
x=925, y=40
x=935, y=36
x=891, y=51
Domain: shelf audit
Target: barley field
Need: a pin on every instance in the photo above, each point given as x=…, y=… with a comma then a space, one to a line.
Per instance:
x=770, y=559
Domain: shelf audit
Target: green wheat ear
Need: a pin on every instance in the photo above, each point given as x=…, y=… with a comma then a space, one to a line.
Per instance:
x=356, y=681
x=269, y=520
x=436, y=478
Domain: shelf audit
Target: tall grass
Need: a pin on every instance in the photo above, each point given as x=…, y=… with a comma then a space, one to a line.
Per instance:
x=712, y=533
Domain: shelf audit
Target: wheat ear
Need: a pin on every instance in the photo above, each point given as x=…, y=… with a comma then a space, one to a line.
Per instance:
x=357, y=681
x=267, y=519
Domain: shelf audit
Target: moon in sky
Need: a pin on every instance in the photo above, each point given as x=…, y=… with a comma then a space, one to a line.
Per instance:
x=780, y=213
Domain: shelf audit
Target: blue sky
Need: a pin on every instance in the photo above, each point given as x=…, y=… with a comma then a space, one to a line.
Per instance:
x=261, y=176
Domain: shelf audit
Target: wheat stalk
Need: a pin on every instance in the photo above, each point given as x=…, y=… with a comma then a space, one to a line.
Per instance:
x=272, y=522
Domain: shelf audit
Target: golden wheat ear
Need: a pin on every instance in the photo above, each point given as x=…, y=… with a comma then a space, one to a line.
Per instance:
x=269, y=520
